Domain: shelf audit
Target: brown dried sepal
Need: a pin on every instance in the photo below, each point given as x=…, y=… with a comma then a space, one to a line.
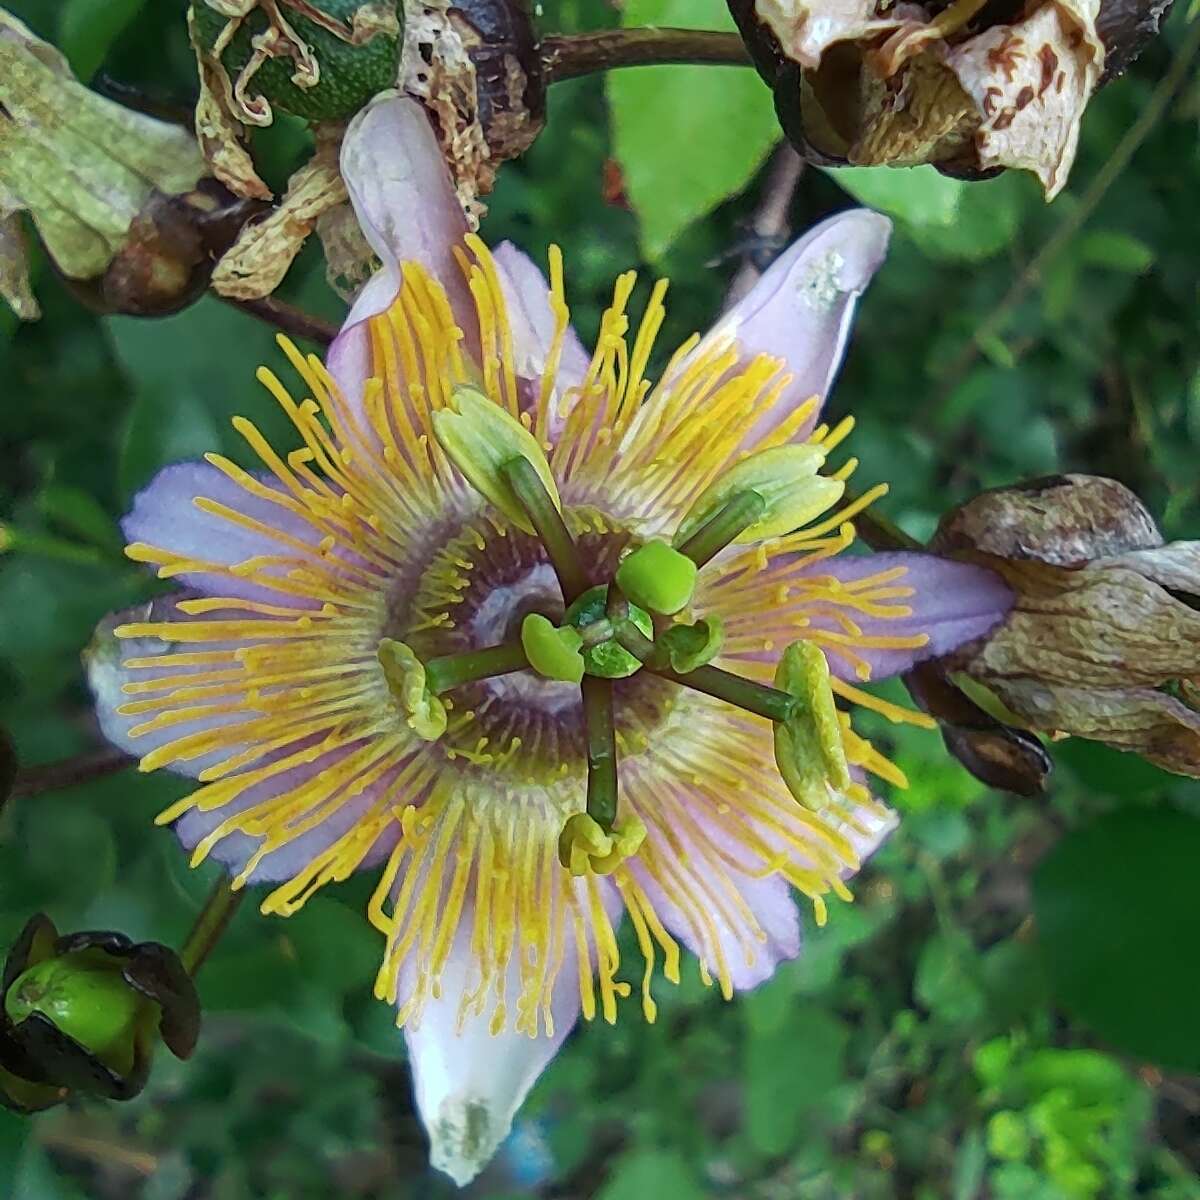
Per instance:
x=218, y=129
x=1103, y=641
x=1000, y=755
x=168, y=257
x=475, y=67
x=257, y=262
x=970, y=87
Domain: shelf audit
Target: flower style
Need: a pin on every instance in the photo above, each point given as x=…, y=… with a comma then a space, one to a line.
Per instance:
x=347, y=672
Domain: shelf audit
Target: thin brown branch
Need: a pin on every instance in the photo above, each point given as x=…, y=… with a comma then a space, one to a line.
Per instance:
x=287, y=318
x=771, y=221
x=70, y=772
x=99, y=1152
x=995, y=321
x=567, y=56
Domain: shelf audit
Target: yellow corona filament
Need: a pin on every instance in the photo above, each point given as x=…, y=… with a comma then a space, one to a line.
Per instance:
x=281, y=689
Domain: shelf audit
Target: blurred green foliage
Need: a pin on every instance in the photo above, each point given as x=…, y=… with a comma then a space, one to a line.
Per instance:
x=920, y=1047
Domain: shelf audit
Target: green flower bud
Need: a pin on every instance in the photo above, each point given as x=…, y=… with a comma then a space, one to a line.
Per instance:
x=479, y=437
x=552, y=652
x=423, y=712
x=322, y=60
x=785, y=478
x=85, y=996
x=690, y=646
x=607, y=659
x=808, y=745
x=658, y=578
x=78, y=1013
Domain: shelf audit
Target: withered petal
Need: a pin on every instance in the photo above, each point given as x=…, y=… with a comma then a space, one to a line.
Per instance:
x=1151, y=723
x=257, y=262
x=1031, y=82
x=1099, y=626
x=1063, y=520
x=1175, y=566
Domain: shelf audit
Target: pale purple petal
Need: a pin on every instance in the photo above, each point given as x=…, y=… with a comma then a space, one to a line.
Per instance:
x=952, y=603
x=526, y=295
x=751, y=950
x=468, y=1082
x=164, y=515
x=802, y=308
x=107, y=676
x=405, y=201
x=236, y=849
x=871, y=827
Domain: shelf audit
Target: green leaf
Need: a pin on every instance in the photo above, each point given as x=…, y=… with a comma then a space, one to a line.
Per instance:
x=969, y=1164
x=335, y=946
x=1118, y=916
x=87, y=28
x=686, y=137
x=790, y=1068
x=918, y=196
x=987, y=219
x=947, y=979
x=1116, y=250
x=191, y=374
x=663, y=1175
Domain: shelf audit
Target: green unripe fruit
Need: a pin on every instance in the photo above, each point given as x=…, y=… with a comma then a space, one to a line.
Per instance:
x=608, y=659
x=349, y=74
x=84, y=995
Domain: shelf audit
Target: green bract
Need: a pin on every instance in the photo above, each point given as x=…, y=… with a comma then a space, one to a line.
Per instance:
x=479, y=438
x=552, y=652
x=786, y=479
x=658, y=578
x=351, y=66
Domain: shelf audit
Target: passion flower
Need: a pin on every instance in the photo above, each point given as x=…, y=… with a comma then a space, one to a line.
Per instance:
x=510, y=842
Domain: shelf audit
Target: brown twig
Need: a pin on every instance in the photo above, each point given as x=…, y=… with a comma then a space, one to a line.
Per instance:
x=991, y=326
x=287, y=318
x=567, y=56
x=771, y=219
x=70, y=772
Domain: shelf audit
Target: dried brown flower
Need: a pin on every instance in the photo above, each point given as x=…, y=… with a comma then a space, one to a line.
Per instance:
x=1104, y=639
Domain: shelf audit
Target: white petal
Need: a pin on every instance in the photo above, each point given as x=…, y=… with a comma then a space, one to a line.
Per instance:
x=802, y=308
x=468, y=1082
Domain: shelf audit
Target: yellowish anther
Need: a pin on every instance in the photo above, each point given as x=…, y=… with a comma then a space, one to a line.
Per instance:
x=424, y=713
x=809, y=749
x=479, y=437
x=585, y=849
x=785, y=477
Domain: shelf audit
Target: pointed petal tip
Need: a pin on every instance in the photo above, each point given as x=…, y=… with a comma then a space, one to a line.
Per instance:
x=464, y=1137
x=859, y=238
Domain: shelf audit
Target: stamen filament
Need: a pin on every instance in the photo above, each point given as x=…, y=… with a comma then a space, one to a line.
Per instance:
x=730, y=520
x=754, y=697
x=453, y=670
x=550, y=526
